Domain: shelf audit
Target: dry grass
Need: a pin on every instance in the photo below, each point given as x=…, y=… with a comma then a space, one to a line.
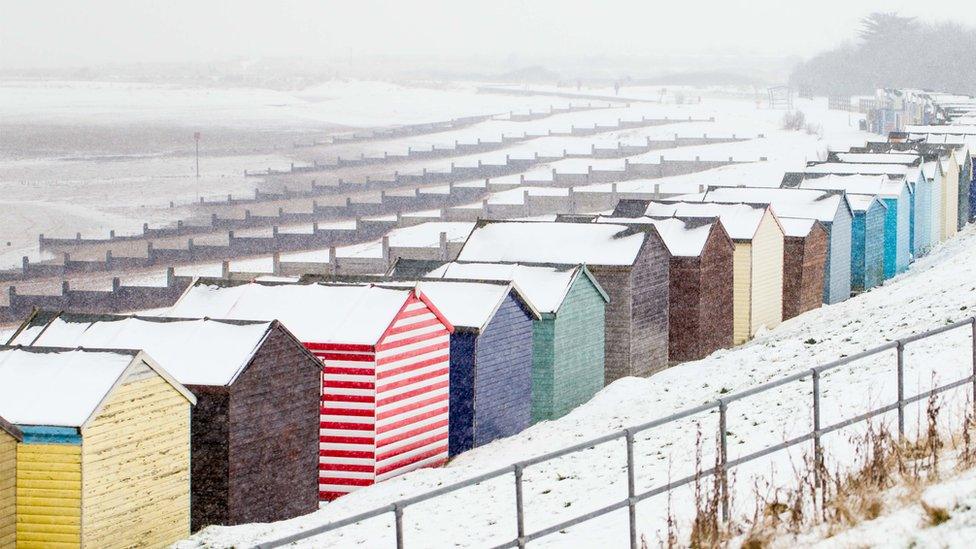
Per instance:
x=885, y=471
x=935, y=515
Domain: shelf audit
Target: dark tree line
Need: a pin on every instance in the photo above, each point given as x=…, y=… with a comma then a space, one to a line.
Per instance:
x=894, y=51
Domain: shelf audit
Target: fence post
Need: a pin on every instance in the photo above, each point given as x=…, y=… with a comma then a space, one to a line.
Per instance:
x=817, y=448
x=900, y=348
x=631, y=489
x=519, y=509
x=723, y=459
x=398, y=515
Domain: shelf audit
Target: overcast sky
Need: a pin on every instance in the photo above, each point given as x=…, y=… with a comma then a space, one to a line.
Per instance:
x=49, y=33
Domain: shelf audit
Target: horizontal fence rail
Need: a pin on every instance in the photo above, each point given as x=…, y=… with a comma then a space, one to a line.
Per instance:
x=721, y=469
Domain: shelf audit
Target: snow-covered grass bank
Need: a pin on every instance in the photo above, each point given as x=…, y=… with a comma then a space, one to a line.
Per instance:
x=911, y=525
x=937, y=289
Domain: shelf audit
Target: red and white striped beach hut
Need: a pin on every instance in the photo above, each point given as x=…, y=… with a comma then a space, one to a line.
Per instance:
x=385, y=382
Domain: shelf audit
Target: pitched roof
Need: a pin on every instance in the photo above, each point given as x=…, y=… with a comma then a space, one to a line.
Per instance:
x=845, y=168
x=876, y=158
x=467, y=304
x=684, y=237
x=544, y=286
x=63, y=387
x=741, y=221
x=198, y=351
x=858, y=184
x=554, y=242
x=354, y=314
x=863, y=202
x=801, y=203
x=797, y=228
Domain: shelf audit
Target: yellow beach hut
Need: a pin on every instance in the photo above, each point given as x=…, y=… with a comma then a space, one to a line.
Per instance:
x=10, y=435
x=104, y=459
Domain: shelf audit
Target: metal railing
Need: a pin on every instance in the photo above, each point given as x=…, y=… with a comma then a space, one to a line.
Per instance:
x=723, y=463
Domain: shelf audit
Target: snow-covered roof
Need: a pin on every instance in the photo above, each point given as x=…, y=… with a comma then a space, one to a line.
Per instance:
x=868, y=169
x=57, y=387
x=683, y=237
x=805, y=203
x=862, y=202
x=877, y=158
x=957, y=129
x=741, y=221
x=858, y=184
x=194, y=351
x=542, y=242
x=465, y=304
x=544, y=286
x=321, y=313
x=796, y=227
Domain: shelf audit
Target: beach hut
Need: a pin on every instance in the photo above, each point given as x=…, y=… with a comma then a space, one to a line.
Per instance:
x=829, y=208
x=568, y=336
x=926, y=195
x=630, y=262
x=804, y=257
x=10, y=435
x=384, y=408
x=867, y=241
x=917, y=187
x=894, y=195
x=757, y=280
x=254, y=444
x=491, y=355
x=105, y=456
x=491, y=359
x=700, y=296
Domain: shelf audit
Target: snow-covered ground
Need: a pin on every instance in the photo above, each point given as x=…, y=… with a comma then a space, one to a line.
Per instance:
x=937, y=289
x=907, y=526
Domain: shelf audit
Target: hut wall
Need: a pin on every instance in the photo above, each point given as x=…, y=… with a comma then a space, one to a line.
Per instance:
x=767, y=275
x=715, y=313
x=543, y=368
x=273, y=439
x=896, y=235
x=922, y=233
x=618, y=321
x=838, y=266
x=936, y=235
x=903, y=256
x=412, y=382
x=741, y=292
x=972, y=201
x=8, y=486
x=209, y=456
x=962, y=210
x=803, y=268
x=858, y=259
x=48, y=495
x=136, y=489
x=347, y=449
x=578, y=344
x=685, y=308
x=874, y=246
x=461, y=398
x=649, y=309
x=793, y=260
x=950, y=200
x=912, y=218
x=503, y=374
